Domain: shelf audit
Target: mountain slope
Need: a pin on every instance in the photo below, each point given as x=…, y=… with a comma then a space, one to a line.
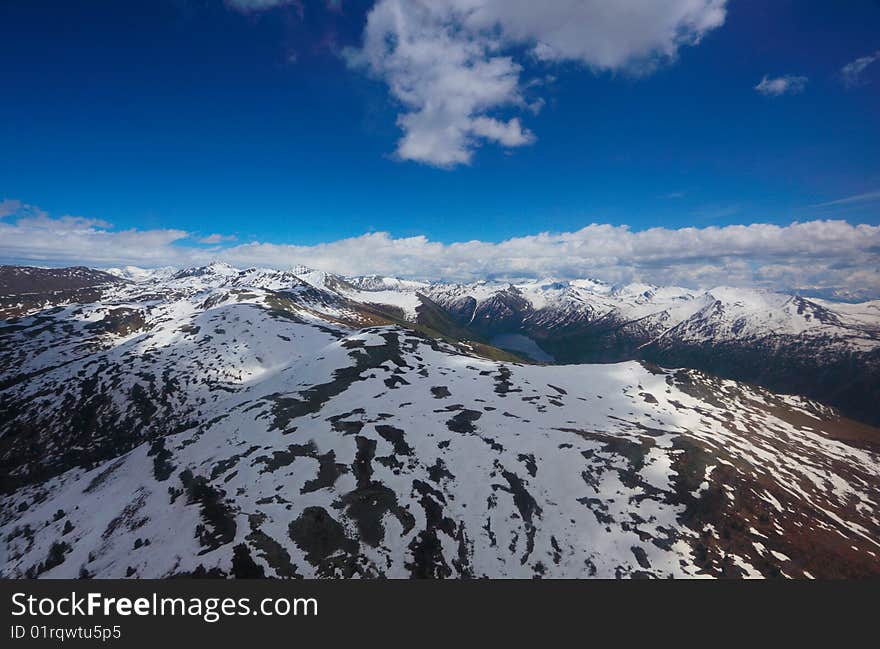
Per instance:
x=825, y=350
x=205, y=423
x=23, y=280
x=25, y=289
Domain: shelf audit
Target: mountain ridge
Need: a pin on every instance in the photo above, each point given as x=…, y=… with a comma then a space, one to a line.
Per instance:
x=825, y=350
x=204, y=424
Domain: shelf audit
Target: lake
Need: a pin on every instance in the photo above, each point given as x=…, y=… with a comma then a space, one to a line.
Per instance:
x=523, y=345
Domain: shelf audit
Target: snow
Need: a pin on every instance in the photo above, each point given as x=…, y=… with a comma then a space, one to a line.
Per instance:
x=557, y=471
x=672, y=313
x=668, y=313
x=407, y=301
x=379, y=283
x=137, y=274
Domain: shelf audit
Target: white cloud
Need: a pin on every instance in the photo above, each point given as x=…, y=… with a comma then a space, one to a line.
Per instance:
x=816, y=255
x=35, y=237
x=9, y=206
x=217, y=238
x=632, y=35
x=785, y=85
x=446, y=80
x=263, y=5
x=451, y=64
x=867, y=197
x=851, y=73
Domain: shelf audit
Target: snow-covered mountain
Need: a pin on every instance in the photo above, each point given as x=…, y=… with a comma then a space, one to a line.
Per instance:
x=26, y=289
x=719, y=314
x=285, y=424
x=28, y=280
x=829, y=351
x=826, y=350
x=137, y=274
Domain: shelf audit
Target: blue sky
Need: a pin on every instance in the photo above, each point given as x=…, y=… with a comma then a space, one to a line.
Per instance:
x=262, y=122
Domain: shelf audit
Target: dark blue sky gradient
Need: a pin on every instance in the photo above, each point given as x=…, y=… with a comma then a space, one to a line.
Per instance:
x=166, y=113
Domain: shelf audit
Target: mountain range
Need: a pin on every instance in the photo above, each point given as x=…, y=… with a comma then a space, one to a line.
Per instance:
x=213, y=421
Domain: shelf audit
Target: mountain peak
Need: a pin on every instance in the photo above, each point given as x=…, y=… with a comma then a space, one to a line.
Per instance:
x=242, y=415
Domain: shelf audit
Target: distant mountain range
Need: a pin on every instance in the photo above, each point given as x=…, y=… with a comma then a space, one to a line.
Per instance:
x=828, y=351
x=226, y=422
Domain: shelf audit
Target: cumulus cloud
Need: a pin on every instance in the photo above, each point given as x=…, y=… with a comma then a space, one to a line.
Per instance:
x=829, y=256
x=453, y=64
x=785, y=85
x=446, y=81
x=852, y=72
